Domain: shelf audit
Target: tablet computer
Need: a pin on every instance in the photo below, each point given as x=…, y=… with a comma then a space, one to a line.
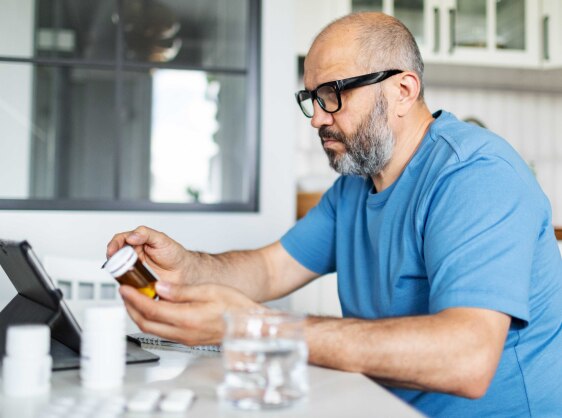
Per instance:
x=39, y=301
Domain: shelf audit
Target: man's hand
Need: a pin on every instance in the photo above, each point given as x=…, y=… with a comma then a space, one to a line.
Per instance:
x=166, y=257
x=191, y=315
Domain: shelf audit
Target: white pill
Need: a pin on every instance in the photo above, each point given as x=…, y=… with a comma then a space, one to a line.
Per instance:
x=178, y=400
x=144, y=400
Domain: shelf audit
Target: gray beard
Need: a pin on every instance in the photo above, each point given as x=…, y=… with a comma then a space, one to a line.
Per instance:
x=369, y=149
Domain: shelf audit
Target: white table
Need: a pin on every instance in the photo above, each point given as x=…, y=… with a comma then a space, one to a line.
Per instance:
x=332, y=393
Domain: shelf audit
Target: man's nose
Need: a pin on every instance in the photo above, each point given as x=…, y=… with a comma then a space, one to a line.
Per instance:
x=320, y=116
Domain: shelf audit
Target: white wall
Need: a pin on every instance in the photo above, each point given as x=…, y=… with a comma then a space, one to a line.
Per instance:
x=85, y=234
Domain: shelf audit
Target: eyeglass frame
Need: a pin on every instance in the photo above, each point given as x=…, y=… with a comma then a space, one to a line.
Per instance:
x=345, y=84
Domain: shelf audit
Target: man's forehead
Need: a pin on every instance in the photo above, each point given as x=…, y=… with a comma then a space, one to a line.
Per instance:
x=330, y=60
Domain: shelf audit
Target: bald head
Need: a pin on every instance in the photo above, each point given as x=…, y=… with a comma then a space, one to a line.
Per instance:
x=378, y=41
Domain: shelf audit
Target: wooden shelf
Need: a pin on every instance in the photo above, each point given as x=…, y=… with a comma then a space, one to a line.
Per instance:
x=558, y=233
x=306, y=201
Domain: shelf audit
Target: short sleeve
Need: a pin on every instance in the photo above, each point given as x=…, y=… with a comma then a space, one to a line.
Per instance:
x=312, y=240
x=479, y=238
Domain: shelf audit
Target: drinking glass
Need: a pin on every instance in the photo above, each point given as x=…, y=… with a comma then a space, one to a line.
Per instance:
x=265, y=359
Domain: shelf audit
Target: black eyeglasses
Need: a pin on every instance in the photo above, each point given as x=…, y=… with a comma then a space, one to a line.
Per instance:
x=328, y=94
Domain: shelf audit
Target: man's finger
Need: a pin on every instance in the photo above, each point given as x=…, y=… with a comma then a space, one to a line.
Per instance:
x=137, y=237
x=143, y=235
x=147, y=307
x=169, y=332
x=117, y=242
x=156, y=311
x=171, y=320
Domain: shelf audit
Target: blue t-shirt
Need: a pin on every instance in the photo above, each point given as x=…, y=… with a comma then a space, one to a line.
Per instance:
x=465, y=225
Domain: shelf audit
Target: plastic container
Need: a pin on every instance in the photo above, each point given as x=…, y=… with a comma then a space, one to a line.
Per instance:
x=26, y=368
x=103, y=348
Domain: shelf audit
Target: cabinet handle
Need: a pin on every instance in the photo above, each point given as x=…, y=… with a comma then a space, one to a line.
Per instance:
x=436, y=30
x=545, y=37
x=452, y=30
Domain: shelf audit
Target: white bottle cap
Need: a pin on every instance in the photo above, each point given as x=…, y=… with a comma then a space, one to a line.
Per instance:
x=28, y=340
x=121, y=261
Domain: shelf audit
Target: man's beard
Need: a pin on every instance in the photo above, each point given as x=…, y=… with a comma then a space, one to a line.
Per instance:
x=369, y=149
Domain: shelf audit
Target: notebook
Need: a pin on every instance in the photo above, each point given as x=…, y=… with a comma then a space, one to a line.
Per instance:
x=152, y=341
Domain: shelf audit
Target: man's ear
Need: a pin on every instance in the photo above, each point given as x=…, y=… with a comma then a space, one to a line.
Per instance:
x=409, y=85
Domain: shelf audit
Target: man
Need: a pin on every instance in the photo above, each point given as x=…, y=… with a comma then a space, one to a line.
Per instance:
x=449, y=275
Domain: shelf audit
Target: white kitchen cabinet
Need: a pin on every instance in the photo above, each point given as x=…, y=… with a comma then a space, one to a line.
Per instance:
x=492, y=32
x=551, y=30
x=475, y=32
x=496, y=33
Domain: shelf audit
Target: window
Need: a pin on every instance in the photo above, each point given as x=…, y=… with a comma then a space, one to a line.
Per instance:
x=129, y=104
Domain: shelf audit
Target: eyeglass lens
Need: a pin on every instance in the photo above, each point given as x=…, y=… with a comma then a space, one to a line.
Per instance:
x=305, y=102
x=326, y=96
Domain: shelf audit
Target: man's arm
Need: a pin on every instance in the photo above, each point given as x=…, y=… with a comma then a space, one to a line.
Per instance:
x=455, y=351
x=264, y=274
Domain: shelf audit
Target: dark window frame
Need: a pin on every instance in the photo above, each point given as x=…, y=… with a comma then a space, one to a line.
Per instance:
x=120, y=65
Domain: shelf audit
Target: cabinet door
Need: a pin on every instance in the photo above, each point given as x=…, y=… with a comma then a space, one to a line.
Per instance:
x=493, y=32
x=551, y=34
x=469, y=26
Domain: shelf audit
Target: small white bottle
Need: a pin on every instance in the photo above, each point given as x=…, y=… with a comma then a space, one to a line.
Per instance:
x=103, y=348
x=26, y=368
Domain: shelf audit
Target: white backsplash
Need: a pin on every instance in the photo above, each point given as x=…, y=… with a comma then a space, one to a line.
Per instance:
x=530, y=121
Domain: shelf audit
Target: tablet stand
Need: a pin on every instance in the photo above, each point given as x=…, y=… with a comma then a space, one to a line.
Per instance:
x=65, y=342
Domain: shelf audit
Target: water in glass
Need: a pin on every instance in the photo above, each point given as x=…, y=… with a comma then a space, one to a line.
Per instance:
x=263, y=371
